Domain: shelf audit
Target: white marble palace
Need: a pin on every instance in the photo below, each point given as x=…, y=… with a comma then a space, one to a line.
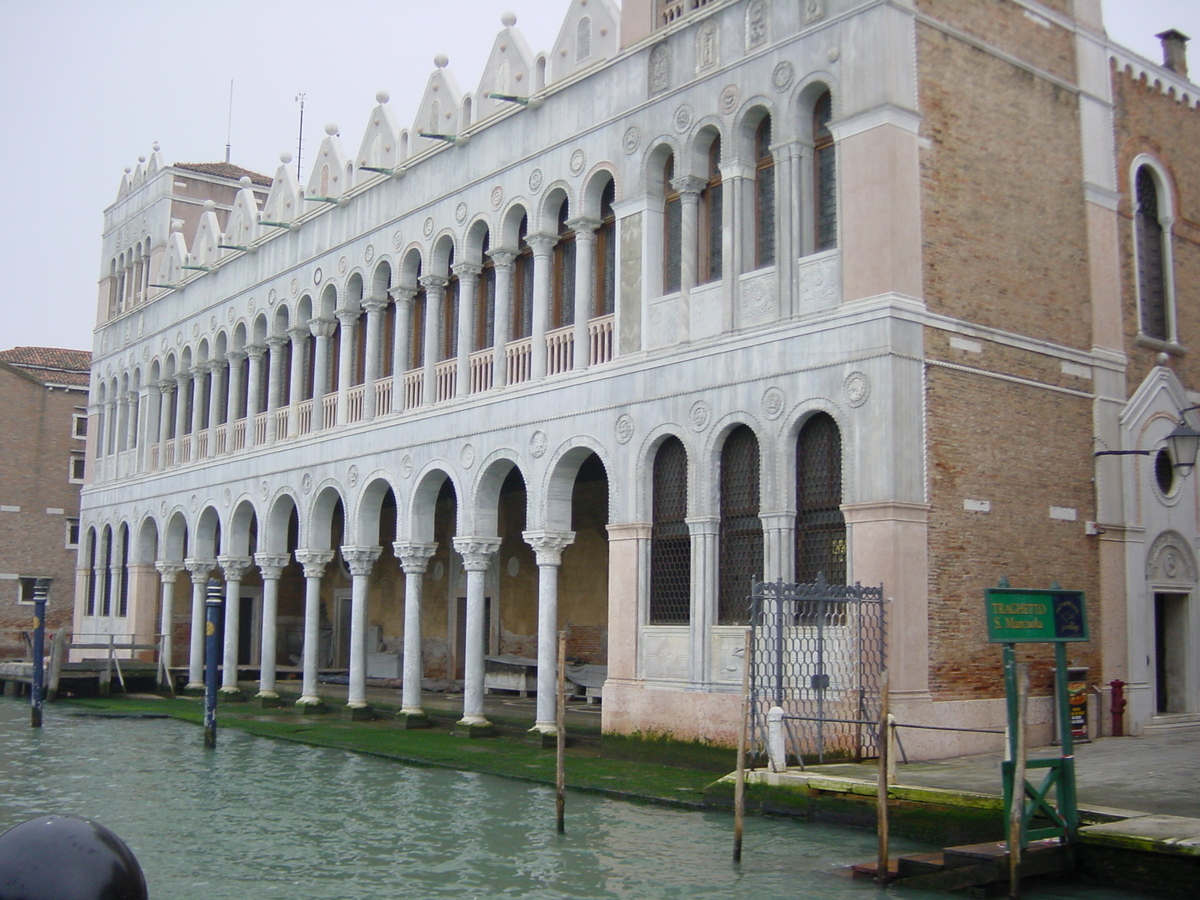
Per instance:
x=667, y=309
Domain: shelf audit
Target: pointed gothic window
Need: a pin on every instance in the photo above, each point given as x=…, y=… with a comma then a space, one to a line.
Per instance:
x=1151, y=262
x=820, y=526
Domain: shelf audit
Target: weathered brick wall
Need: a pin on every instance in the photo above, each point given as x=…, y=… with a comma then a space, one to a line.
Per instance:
x=1023, y=449
x=35, y=453
x=1001, y=205
x=1148, y=121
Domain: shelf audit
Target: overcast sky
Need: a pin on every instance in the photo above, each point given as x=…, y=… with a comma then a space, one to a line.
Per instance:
x=86, y=87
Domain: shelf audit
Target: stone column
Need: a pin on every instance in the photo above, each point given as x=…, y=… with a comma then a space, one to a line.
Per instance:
x=548, y=547
x=477, y=554
x=147, y=424
x=360, y=560
x=199, y=569
x=503, y=261
x=120, y=422
x=216, y=392
x=322, y=330
x=542, y=245
x=628, y=588
x=348, y=319
x=274, y=384
x=314, y=562
x=237, y=391
x=254, y=394
x=299, y=337
x=403, y=297
x=167, y=569
x=779, y=542
x=705, y=532
x=128, y=403
x=585, y=284
x=374, y=307
x=234, y=568
x=199, y=371
x=689, y=188
x=271, y=566
x=435, y=296
x=468, y=278
x=414, y=560
x=737, y=242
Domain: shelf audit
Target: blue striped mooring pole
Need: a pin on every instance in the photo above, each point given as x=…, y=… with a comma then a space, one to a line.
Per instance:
x=41, y=588
x=212, y=647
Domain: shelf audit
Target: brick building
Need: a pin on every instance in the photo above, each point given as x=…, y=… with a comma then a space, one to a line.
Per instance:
x=43, y=433
x=721, y=291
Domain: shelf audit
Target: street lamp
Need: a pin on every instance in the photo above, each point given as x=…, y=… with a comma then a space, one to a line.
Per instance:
x=1183, y=443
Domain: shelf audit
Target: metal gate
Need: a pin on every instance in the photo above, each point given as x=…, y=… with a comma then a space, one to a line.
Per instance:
x=817, y=651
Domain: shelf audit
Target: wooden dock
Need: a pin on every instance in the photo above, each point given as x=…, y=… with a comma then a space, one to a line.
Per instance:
x=982, y=867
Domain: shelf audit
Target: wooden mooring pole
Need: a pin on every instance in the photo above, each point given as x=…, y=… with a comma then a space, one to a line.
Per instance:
x=560, y=780
x=739, y=784
x=881, y=788
x=1016, y=809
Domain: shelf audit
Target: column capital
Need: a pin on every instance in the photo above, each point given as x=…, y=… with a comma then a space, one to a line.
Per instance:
x=375, y=305
x=703, y=524
x=277, y=340
x=169, y=568
x=235, y=356
x=271, y=565
x=467, y=270
x=256, y=351
x=234, y=567
x=298, y=333
x=314, y=561
x=688, y=185
x=322, y=327
x=548, y=545
x=361, y=559
x=503, y=257
x=584, y=226
x=166, y=386
x=541, y=243
x=403, y=293
x=476, y=552
x=216, y=365
x=346, y=316
x=200, y=568
x=434, y=282
x=414, y=557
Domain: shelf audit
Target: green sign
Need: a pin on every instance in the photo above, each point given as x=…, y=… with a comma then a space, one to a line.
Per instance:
x=1017, y=616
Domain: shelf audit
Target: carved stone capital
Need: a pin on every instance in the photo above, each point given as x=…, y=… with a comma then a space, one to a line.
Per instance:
x=434, y=284
x=235, y=356
x=503, y=257
x=414, y=557
x=467, y=271
x=548, y=545
x=346, y=316
x=583, y=226
x=234, y=567
x=403, y=293
x=271, y=565
x=322, y=327
x=217, y=365
x=476, y=552
x=200, y=568
x=277, y=341
x=541, y=243
x=298, y=333
x=361, y=559
x=688, y=185
x=168, y=568
x=167, y=386
x=375, y=305
x=256, y=351
x=314, y=561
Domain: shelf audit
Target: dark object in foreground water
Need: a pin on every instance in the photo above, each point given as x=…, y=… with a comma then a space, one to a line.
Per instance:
x=67, y=858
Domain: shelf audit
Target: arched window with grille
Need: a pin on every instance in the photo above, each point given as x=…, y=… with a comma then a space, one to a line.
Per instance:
x=709, y=231
x=820, y=525
x=764, y=196
x=670, y=542
x=91, y=569
x=522, y=288
x=824, y=176
x=1151, y=257
x=741, y=537
x=672, y=229
x=562, y=274
x=605, y=293
x=449, y=329
x=485, y=300
x=416, y=331
x=123, y=585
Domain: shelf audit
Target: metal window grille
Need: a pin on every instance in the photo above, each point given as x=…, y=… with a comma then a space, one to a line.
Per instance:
x=820, y=525
x=764, y=191
x=1150, y=257
x=606, y=254
x=672, y=231
x=123, y=592
x=91, y=581
x=741, y=538
x=825, y=175
x=450, y=320
x=818, y=654
x=670, y=541
x=485, y=306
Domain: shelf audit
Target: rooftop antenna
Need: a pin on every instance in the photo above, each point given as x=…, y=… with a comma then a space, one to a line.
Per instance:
x=229, y=123
x=300, y=137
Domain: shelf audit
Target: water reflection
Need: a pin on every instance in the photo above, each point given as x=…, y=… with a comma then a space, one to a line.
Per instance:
x=261, y=819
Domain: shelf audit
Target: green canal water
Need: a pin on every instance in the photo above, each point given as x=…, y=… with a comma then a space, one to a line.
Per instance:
x=259, y=819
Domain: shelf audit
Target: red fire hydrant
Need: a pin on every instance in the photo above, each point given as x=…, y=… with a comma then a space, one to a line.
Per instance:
x=1118, y=707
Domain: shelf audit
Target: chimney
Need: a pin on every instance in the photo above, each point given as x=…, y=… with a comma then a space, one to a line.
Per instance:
x=1174, y=45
